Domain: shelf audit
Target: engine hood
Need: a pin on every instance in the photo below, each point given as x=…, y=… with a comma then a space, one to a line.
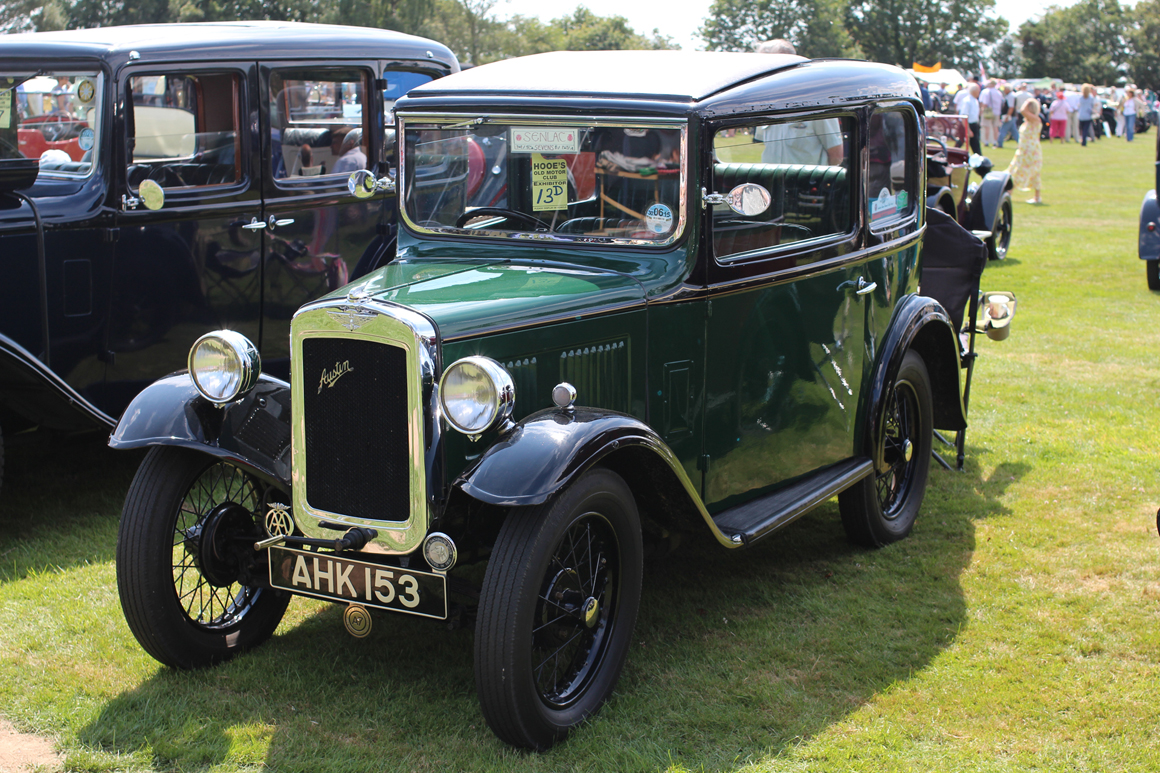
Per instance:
x=465, y=296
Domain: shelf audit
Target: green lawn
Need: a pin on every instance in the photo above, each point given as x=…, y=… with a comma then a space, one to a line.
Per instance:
x=1015, y=630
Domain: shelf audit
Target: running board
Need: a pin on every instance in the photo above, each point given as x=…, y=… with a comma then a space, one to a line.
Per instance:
x=761, y=517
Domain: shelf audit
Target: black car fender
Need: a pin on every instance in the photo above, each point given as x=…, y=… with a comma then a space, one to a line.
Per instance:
x=1150, y=227
x=942, y=198
x=922, y=324
x=987, y=199
x=542, y=454
x=253, y=432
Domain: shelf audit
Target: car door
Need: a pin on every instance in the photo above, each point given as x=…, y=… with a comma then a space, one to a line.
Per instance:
x=787, y=294
x=194, y=264
x=321, y=123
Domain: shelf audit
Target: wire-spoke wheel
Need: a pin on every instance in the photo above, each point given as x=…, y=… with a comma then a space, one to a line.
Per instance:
x=186, y=530
x=557, y=609
x=881, y=508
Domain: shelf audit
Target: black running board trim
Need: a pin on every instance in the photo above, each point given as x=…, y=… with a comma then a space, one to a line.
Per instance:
x=760, y=517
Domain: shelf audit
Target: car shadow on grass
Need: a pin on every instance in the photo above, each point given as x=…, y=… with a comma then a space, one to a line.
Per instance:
x=61, y=501
x=737, y=657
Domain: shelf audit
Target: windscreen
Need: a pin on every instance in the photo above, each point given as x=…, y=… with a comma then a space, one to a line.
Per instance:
x=54, y=117
x=580, y=180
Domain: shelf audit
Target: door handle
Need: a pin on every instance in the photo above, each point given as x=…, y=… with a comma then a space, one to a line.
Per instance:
x=254, y=225
x=280, y=222
x=865, y=287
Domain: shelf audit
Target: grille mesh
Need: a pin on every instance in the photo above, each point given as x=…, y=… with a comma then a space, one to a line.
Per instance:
x=355, y=408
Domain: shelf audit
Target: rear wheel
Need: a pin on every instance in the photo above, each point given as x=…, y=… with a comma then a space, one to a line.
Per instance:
x=1001, y=232
x=1152, y=267
x=187, y=529
x=557, y=609
x=881, y=508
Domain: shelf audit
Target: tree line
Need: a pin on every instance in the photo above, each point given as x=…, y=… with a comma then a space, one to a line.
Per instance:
x=1091, y=41
x=470, y=28
x=1096, y=41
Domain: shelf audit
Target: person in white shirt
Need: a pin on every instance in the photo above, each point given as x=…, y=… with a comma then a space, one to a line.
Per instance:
x=991, y=105
x=970, y=108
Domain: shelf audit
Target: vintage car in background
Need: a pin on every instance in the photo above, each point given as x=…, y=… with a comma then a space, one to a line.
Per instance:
x=191, y=177
x=983, y=206
x=1149, y=247
x=622, y=310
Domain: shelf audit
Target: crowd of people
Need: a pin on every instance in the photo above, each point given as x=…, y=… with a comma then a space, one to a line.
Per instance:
x=997, y=112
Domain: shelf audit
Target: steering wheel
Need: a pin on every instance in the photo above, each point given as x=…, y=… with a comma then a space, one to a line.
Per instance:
x=511, y=214
x=938, y=141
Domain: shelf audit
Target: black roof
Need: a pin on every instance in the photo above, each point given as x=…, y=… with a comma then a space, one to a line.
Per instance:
x=680, y=76
x=226, y=40
x=671, y=82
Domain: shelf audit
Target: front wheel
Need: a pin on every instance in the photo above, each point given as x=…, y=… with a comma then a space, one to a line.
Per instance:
x=1001, y=232
x=881, y=508
x=187, y=529
x=557, y=609
x=1152, y=268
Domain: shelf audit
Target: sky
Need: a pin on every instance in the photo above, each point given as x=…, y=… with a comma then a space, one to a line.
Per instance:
x=680, y=19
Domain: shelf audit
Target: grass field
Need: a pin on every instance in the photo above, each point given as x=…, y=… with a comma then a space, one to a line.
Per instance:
x=1017, y=629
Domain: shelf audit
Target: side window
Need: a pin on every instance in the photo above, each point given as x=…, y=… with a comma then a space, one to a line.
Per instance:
x=318, y=124
x=804, y=163
x=891, y=190
x=399, y=82
x=185, y=129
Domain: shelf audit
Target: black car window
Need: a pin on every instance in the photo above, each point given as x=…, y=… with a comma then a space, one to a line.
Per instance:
x=317, y=122
x=891, y=189
x=803, y=163
x=185, y=129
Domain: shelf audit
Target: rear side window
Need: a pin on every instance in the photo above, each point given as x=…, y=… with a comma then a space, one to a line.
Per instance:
x=803, y=163
x=53, y=116
x=318, y=122
x=891, y=191
x=185, y=129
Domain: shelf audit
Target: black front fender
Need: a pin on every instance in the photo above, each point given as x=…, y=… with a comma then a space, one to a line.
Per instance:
x=549, y=449
x=1150, y=237
x=987, y=199
x=253, y=433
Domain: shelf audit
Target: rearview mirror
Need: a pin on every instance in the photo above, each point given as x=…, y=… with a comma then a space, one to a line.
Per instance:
x=362, y=184
x=748, y=199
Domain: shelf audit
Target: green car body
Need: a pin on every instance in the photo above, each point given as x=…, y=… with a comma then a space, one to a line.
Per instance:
x=694, y=368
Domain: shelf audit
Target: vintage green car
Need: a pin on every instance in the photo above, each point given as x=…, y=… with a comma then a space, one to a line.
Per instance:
x=637, y=295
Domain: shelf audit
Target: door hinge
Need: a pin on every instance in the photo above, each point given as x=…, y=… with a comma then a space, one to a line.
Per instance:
x=703, y=463
x=111, y=235
x=107, y=357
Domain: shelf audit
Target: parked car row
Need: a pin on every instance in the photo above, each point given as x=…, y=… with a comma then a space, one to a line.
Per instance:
x=619, y=312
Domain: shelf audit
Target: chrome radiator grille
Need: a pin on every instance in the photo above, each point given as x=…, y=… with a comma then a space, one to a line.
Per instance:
x=354, y=402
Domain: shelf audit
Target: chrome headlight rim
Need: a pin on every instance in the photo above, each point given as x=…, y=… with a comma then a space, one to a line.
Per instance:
x=249, y=364
x=502, y=394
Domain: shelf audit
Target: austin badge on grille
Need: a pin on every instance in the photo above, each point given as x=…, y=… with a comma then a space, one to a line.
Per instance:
x=351, y=317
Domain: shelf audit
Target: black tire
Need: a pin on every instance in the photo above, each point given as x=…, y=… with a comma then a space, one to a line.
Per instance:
x=181, y=617
x=1152, y=267
x=1000, y=239
x=881, y=508
x=537, y=595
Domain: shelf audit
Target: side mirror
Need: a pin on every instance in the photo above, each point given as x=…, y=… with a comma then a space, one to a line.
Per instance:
x=152, y=195
x=998, y=311
x=362, y=184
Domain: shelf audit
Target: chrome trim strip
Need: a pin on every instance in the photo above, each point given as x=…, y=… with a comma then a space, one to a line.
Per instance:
x=525, y=236
x=390, y=325
x=29, y=360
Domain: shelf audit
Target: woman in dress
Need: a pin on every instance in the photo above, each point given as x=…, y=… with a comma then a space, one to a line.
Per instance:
x=1028, y=161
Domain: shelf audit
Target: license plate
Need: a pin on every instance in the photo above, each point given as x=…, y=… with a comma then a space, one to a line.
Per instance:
x=327, y=576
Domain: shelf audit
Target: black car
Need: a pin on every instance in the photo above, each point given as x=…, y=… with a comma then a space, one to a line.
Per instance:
x=191, y=177
x=1149, y=246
